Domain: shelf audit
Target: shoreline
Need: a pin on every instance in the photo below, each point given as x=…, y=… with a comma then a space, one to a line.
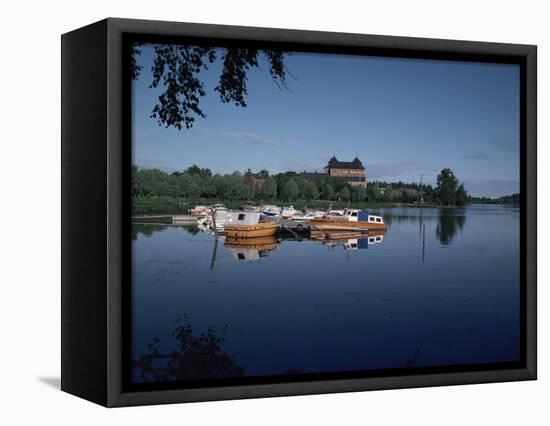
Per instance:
x=150, y=206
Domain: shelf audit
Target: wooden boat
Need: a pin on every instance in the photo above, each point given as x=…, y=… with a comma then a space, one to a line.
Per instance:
x=249, y=225
x=352, y=219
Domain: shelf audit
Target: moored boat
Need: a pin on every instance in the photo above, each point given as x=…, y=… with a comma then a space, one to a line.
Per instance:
x=270, y=210
x=199, y=211
x=352, y=219
x=312, y=214
x=248, y=225
x=251, y=207
x=288, y=212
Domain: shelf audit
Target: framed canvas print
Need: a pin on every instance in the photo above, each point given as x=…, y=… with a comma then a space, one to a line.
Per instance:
x=252, y=212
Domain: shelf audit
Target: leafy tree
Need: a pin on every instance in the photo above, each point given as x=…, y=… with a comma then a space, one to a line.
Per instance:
x=358, y=193
x=447, y=185
x=461, y=196
x=388, y=193
x=177, y=68
x=269, y=188
x=196, y=170
x=193, y=190
x=290, y=190
x=372, y=192
x=345, y=194
x=328, y=191
x=310, y=191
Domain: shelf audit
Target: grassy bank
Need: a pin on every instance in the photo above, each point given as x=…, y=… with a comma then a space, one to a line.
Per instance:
x=171, y=205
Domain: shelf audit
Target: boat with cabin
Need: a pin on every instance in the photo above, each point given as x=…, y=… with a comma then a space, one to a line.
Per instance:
x=248, y=225
x=353, y=219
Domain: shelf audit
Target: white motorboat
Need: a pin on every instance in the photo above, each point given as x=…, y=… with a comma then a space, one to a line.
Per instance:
x=270, y=210
x=312, y=214
x=288, y=212
x=199, y=210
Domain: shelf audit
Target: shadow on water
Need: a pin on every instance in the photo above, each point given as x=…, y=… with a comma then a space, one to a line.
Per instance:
x=194, y=357
x=449, y=224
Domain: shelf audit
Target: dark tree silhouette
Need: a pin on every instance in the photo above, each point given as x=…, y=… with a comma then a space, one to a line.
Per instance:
x=195, y=357
x=176, y=68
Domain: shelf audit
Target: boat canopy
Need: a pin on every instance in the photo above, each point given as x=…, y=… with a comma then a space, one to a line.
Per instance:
x=363, y=215
x=244, y=218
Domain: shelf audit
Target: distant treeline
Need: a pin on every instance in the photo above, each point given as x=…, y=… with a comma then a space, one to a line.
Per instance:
x=196, y=182
x=506, y=199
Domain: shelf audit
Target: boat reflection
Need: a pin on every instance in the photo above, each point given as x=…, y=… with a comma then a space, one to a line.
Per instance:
x=254, y=249
x=250, y=249
x=349, y=240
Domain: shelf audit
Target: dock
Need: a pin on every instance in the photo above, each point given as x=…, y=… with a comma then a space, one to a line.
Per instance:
x=168, y=219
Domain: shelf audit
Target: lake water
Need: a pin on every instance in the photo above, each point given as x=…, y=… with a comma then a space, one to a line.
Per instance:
x=440, y=288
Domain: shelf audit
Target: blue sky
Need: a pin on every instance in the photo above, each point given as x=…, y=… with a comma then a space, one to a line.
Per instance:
x=401, y=117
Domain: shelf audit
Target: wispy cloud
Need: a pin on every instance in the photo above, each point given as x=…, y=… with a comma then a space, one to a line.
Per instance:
x=255, y=139
x=247, y=137
x=477, y=156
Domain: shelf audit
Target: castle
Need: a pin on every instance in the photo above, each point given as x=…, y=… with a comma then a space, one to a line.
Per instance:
x=352, y=171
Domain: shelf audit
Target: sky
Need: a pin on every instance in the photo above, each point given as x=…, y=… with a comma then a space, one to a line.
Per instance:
x=403, y=118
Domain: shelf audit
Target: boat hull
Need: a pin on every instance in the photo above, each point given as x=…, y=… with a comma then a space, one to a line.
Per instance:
x=342, y=225
x=262, y=229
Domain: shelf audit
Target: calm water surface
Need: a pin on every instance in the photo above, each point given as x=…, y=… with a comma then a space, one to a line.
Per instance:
x=440, y=288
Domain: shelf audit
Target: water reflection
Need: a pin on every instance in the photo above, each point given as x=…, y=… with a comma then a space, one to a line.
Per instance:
x=254, y=249
x=448, y=226
x=194, y=357
x=146, y=229
x=440, y=287
x=250, y=249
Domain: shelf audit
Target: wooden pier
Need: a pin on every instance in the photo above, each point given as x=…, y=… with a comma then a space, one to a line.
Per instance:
x=169, y=219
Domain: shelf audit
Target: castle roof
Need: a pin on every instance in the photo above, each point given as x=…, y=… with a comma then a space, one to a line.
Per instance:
x=333, y=163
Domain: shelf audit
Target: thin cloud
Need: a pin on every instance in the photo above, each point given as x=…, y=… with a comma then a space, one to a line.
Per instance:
x=248, y=137
x=255, y=139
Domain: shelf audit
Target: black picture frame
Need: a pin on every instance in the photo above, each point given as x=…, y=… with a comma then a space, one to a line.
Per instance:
x=96, y=208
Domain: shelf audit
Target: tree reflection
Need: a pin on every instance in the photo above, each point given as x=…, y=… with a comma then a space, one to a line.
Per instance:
x=145, y=229
x=195, y=357
x=148, y=229
x=449, y=223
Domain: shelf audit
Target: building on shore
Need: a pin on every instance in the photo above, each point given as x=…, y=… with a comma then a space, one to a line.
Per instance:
x=353, y=172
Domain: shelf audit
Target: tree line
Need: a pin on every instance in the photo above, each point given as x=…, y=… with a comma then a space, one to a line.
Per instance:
x=196, y=182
